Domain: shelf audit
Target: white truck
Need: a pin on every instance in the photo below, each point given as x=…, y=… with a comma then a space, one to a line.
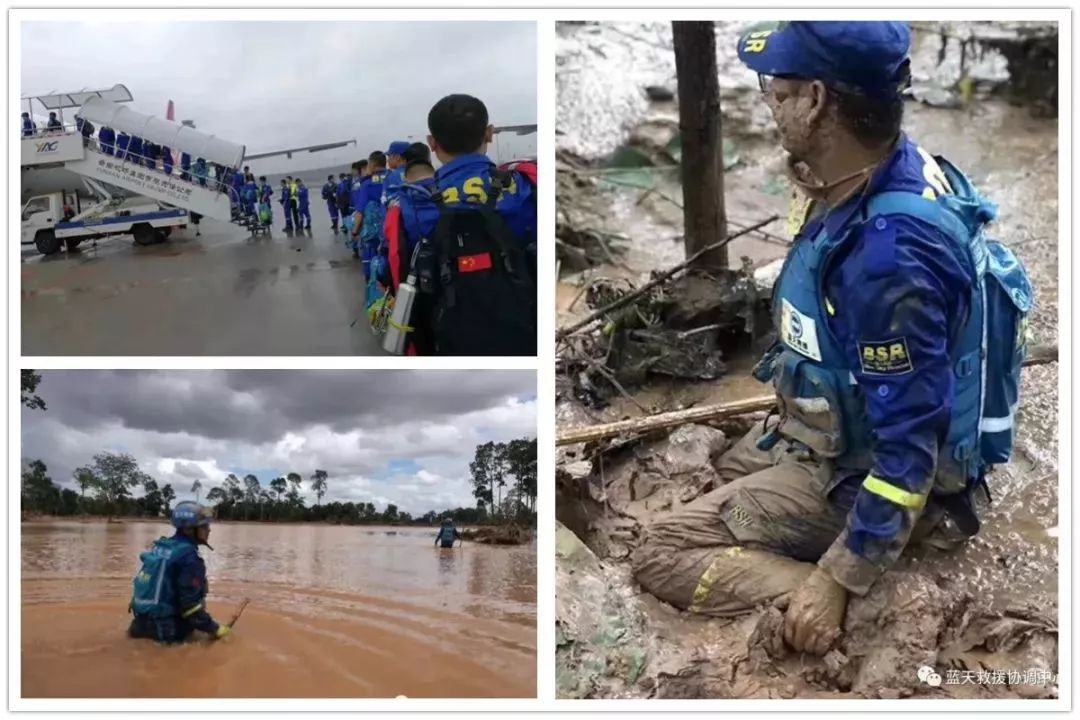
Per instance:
x=50, y=223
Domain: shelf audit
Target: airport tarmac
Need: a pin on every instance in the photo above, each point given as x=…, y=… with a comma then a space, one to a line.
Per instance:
x=224, y=293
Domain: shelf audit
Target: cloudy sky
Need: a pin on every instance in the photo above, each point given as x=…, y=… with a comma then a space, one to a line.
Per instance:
x=405, y=437
x=277, y=85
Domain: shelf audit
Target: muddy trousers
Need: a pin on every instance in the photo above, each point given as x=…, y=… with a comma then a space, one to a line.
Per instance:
x=167, y=630
x=753, y=540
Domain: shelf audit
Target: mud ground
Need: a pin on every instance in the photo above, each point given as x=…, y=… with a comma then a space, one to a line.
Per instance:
x=991, y=606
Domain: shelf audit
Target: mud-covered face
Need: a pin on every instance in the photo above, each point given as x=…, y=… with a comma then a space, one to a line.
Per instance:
x=798, y=107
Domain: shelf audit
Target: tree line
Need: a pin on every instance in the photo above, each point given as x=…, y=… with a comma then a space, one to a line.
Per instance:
x=497, y=465
x=112, y=478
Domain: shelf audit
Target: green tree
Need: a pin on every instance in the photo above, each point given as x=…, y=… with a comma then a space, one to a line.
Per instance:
x=233, y=491
x=318, y=484
x=251, y=492
x=152, y=499
x=39, y=494
x=521, y=465
x=116, y=475
x=217, y=496
x=279, y=485
x=483, y=473
x=84, y=478
x=167, y=497
x=195, y=488
x=391, y=514
x=30, y=382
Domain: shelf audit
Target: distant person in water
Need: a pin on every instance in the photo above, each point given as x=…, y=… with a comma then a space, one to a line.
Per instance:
x=447, y=534
x=169, y=598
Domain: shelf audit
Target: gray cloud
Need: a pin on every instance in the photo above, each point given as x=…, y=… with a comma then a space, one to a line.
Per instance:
x=272, y=85
x=383, y=435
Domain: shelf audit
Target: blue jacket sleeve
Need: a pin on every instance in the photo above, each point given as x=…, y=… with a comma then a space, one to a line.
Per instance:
x=191, y=584
x=896, y=297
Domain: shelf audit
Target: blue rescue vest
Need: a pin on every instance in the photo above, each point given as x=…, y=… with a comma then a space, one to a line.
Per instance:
x=154, y=592
x=820, y=403
x=446, y=535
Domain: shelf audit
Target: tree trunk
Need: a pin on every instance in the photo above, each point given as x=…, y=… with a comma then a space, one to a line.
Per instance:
x=702, y=151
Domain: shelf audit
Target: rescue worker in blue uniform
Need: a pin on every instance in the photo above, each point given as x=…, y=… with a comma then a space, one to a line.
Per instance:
x=329, y=194
x=901, y=335
x=460, y=134
x=251, y=192
x=344, y=196
x=395, y=165
x=122, y=142
x=107, y=140
x=201, y=172
x=27, y=125
x=54, y=125
x=367, y=209
x=304, y=204
x=135, y=150
x=283, y=199
x=169, y=595
x=447, y=534
x=185, y=171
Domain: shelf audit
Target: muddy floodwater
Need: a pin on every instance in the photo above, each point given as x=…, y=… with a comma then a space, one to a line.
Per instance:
x=335, y=612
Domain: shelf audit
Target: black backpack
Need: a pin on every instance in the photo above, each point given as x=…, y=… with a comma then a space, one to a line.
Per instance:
x=477, y=296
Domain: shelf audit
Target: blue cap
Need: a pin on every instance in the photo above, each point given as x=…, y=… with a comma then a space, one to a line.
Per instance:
x=398, y=147
x=864, y=57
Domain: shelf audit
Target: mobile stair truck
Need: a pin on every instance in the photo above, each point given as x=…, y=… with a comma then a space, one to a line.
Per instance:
x=131, y=198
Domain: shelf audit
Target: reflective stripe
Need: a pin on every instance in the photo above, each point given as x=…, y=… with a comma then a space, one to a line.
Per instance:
x=192, y=611
x=998, y=424
x=893, y=494
x=704, y=586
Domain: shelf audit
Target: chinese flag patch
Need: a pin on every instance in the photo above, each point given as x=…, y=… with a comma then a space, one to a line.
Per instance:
x=474, y=263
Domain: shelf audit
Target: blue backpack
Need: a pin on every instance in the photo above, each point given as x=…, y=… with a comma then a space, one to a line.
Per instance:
x=1007, y=298
x=154, y=592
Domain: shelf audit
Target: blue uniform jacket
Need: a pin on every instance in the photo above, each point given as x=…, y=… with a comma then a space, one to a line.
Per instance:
x=896, y=285
x=467, y=179
x=192, y=587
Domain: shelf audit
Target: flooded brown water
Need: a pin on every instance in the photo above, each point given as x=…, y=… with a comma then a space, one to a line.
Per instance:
x=335, y=612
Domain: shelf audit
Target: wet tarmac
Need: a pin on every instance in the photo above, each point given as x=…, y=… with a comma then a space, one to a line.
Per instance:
x=224, y=293
x=335, y=611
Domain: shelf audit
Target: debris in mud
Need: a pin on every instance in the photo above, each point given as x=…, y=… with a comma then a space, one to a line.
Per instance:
x=682, y=330
x=497, y=535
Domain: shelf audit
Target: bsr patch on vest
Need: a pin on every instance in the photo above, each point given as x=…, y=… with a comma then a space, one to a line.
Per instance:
x=890, y=357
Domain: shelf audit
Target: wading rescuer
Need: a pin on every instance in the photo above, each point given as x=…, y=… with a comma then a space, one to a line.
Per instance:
x=901, y=333
x=169, y=600
x=447, y=534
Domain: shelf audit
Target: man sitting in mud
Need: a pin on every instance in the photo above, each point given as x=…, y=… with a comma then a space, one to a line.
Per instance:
x=169, y=600
x=896, y=369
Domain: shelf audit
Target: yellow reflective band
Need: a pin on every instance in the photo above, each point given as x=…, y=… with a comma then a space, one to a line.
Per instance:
x=828, y=306
x=192, y=611
x=399, y=326
x=893, y=494
x=708, y=578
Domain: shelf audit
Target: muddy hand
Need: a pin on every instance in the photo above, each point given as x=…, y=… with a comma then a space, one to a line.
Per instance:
x=815, y=613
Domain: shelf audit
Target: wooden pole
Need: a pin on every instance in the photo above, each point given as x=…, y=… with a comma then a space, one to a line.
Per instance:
x=1041, y=355
x=702, y=152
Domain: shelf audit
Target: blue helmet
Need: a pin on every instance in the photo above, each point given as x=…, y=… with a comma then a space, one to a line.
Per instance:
x=189, y=514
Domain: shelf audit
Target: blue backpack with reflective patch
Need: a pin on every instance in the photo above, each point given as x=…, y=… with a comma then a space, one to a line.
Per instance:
x=154, y=592
x=1007, y=298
